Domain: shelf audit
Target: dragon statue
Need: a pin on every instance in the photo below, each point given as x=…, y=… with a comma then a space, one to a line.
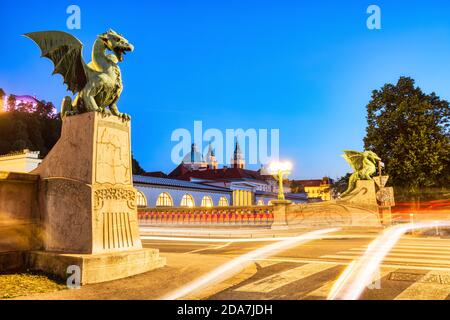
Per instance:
x=98, y=85
x=364, y=165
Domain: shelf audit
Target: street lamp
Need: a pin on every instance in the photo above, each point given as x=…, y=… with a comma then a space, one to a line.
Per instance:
x=278, y=170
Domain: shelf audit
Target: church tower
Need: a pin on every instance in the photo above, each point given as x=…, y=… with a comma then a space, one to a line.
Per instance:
x=238, y=160
x=194, y=159
x=211, y=158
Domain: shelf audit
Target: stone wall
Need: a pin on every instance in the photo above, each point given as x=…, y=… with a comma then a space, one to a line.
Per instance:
x=360, y=208
x=19, y=216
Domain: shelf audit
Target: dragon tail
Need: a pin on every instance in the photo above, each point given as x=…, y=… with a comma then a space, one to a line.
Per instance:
x=66, y=106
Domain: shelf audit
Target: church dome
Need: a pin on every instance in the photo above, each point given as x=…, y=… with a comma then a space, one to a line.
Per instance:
x=194, y=156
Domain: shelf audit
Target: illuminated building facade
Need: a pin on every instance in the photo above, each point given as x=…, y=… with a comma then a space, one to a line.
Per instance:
x=23, y=161
x=317, y=188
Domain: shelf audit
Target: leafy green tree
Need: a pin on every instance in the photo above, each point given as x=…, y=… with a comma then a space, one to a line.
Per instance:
x=2, y=97
x=409, y=130
x=340, y=185
x=296, y=186
x=11, y=103
x=137, y=169
x=27, y=129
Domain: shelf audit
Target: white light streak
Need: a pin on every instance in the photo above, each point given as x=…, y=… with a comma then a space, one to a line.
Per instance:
x=238, y=264
x=360, y=273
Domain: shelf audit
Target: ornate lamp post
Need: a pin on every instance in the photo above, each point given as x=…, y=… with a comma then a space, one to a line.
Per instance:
x=279, y=170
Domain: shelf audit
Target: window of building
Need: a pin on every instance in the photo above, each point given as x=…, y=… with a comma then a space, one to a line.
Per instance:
x=164, y=200
x=141, y=200
x=223, y=202
x=260, y=202
x=187, y=201
x=207, y=202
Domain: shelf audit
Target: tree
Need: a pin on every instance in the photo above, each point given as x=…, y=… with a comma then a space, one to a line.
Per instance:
x=28, y=130
x=340, y=185
x=11, y=103
x=409, y=130
x=296, y=187
x=2, y=97
x=137, y=169
x=46, y=109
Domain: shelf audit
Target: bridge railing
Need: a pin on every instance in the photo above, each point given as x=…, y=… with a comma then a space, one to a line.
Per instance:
x=216, y=216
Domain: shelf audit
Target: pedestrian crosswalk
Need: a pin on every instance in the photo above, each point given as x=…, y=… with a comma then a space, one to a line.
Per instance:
x=417, y=252
x=325, y=290
x=429, y=287
x=415, y=269
x=279, y=280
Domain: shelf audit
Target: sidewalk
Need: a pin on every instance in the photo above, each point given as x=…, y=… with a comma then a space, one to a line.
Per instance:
x=180, y=270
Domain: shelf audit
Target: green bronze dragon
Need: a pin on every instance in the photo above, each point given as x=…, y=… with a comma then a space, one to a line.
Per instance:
x=364, y=165
x=98, y=85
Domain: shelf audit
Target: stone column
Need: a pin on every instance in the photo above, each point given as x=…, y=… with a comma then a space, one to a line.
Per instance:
x=88, y=202
x=279, y=214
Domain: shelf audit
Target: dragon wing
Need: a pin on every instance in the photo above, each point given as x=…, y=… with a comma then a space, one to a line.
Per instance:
x=355, y=159
x=65, y=51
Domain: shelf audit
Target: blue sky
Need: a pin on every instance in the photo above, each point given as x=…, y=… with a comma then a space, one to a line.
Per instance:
x=306, y=68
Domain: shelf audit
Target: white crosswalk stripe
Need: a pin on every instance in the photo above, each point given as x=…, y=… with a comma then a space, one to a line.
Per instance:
x=407, y=251
x=324, y=290
x=393, y=259
x=282, y=279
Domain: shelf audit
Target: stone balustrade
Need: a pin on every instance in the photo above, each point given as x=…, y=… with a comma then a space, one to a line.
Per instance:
x=254, y=216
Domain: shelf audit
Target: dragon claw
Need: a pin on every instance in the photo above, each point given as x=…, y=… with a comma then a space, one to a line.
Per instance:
x=125, y=117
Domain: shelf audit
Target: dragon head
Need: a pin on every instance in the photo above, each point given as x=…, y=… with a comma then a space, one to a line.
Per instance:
x=116, y=43
x=372, y=156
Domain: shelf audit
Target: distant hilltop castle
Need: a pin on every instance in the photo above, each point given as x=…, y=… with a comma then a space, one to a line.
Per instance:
x=19, y=100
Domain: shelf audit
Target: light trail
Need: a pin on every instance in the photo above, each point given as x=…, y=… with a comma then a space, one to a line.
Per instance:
x=218, y=239
x=241, y=262
x=234, y=240
x=209, y=248
x=359, y=274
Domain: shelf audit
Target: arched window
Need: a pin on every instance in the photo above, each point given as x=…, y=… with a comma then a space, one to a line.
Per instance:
x=141, y=200
x=187, y=201
x=260, y=202
x=207, y=202
x=164, y=200
x=223, y=202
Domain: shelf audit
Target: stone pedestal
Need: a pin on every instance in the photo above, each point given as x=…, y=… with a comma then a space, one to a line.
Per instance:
x=88, y=201
x=363, y=194
x=100, y=267
x=369, y=195
x=279, y=214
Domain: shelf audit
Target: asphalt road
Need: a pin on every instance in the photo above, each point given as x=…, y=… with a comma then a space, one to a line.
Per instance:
x=416, y=268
